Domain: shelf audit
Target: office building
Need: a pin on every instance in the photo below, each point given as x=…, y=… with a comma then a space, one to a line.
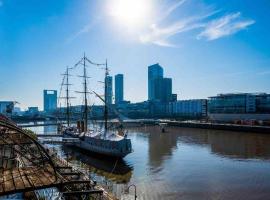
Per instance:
x=119, y=88
x=188, y=108
x=108, y=92
x=50, y=100
x=154, y=71
x=162, y=89
x=239, y=106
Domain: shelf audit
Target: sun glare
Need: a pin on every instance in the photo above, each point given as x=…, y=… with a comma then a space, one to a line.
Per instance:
x=130, y=12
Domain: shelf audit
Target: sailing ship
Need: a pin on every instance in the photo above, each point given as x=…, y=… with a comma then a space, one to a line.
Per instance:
x=106, y=141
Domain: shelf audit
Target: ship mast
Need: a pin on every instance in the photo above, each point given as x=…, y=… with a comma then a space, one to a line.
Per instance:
x=85, y=90
x=106, y=100
x=67, y=97
x=85, y=95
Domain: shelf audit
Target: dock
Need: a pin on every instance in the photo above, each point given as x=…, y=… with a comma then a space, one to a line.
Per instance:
x=27, y=166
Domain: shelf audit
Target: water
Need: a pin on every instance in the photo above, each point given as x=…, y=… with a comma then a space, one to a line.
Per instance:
x=183, y=163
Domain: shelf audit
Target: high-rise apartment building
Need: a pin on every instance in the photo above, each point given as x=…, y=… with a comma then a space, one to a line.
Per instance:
x=154, y=71
x=50, y=100
x=108, y=92
x=163, y=89
x=119, y=88
x=159, y=88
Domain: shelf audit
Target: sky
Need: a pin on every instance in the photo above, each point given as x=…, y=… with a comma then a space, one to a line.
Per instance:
x=207, y=47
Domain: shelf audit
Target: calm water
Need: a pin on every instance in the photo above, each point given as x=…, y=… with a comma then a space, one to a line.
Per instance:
x=183, y=164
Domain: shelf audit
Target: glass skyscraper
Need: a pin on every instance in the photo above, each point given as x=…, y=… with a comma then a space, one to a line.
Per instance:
x=108, y=91
x=50, y=100
x=154, y=72
x=163, y=89
x=119, y=88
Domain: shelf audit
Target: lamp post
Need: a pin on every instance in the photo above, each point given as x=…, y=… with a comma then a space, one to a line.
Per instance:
x=135, y=195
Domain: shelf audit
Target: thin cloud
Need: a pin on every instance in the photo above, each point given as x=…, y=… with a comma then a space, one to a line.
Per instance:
x=160, y=35
x=171, y=8
x=85, y=29
x=224, y=26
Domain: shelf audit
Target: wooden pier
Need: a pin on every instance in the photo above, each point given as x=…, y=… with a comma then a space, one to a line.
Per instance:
x=25, y=166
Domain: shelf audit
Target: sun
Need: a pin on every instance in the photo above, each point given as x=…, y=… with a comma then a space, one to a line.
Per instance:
x=130, y=12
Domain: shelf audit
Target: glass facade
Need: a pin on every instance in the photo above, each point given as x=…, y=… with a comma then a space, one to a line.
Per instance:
x=119, y=88
x=108, y=89
x=50, y=100
x=239, y=103
x=163, y=89
x=154, y=71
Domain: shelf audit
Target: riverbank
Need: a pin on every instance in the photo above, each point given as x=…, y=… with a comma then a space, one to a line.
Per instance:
x=217, y=126
x=203, y=125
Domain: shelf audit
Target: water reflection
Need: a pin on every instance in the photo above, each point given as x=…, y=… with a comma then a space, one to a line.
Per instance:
x=185, y=163
x=116, y=170
x=228, y=144
x=225, y=143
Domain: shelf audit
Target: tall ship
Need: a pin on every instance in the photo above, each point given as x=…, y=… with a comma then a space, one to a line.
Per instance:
x=106, y=140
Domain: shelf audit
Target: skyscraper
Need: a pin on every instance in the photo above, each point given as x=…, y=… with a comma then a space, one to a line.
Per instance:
x=154, y=71
x=163, y=89
x=108, y=92
x=119, y=88
x=50, y=100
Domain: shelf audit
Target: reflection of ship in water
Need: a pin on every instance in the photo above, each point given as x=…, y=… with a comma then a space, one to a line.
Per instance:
x=113, y=169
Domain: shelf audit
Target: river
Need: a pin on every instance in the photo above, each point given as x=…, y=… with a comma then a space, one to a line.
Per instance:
x=182, y=163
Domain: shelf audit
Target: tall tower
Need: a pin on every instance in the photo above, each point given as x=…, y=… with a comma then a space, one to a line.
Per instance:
x=108, y=92
x=154, y=72
x=119, y=88
x=50, y=100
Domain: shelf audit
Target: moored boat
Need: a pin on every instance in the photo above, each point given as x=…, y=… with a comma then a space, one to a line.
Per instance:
x=109, y=142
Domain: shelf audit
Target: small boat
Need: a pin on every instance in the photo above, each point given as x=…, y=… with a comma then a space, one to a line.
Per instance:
x=162, y=126
x=110, y=142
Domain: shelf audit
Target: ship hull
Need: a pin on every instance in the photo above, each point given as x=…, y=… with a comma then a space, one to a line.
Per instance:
x=118, y=149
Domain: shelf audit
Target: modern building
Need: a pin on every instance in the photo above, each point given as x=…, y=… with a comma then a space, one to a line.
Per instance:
x=133, y=110
x=159, y=88
x=119, y=88
x=50, y=100
x=239, y=106
x=188, y=108
x=154, y=71
x=162, y=89
x=6, y=107
x=108, y=92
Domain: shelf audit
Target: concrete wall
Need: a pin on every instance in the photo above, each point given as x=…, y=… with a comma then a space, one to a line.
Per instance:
x=233, y=117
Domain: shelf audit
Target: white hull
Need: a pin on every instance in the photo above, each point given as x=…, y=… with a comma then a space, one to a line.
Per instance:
x=115, y=148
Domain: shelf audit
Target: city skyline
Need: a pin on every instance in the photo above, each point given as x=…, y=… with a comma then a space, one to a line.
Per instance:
x=39, y=39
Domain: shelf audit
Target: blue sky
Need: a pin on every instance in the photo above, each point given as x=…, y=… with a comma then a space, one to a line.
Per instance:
x=206, y=46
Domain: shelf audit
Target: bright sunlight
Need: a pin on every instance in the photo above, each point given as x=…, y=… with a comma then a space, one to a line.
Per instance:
x=132, y=13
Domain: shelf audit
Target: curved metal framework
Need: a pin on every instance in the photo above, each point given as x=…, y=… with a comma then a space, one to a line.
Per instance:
x=24, y=163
